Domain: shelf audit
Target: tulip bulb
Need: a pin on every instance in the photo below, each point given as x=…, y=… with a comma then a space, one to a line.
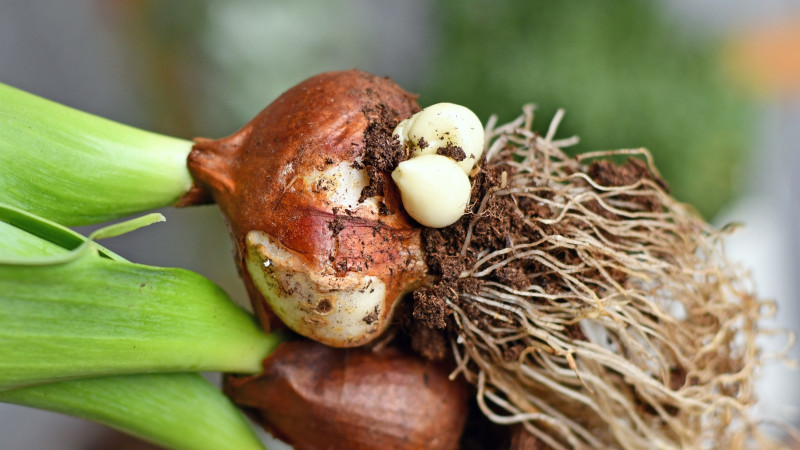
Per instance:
x=320, y=234
x=313, y=396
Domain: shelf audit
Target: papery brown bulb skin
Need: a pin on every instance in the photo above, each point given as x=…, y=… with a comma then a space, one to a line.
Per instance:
x=309, y=247
x=317, y=397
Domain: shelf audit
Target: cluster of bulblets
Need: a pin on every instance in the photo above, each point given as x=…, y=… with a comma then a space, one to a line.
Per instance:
x=434, y=186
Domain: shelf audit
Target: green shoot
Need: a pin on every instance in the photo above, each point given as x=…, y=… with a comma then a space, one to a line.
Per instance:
x=77, y=168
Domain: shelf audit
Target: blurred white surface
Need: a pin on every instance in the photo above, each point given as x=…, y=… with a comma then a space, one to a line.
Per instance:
x=769, y=245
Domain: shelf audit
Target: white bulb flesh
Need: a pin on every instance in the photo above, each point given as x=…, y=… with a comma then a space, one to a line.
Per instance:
x=340, y=311
x=440, y=125
x=434, y=189
x=341, y=185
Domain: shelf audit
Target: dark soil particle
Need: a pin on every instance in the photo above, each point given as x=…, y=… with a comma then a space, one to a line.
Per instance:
x=336, y=225
x=452, y=151
x=606, y=173
x=511, y=276
x=429, y=307
x=512, y=352
x=370, y=318
x=422, y=144
x=340, y=267
x=383, y=152
x=324, y=306
x=376, y=184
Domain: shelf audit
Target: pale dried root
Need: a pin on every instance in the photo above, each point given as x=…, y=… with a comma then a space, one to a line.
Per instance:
x=647, y=337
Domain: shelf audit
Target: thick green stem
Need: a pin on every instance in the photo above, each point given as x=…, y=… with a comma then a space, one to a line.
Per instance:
x=77, y=168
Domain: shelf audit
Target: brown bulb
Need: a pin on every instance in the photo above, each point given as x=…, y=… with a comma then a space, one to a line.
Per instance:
x=320, y=235
x=313, y=396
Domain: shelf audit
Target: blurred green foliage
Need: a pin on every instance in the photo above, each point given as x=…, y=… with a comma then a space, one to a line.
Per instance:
x=627, y=75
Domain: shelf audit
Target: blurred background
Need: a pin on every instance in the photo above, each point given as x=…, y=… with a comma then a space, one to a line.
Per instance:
x=711, y=87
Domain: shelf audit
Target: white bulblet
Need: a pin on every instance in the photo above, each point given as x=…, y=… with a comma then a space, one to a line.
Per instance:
x=434, y=189
x=439, y=126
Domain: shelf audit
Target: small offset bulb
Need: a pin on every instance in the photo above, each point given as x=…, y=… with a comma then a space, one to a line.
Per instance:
x=434, y=189
x=440, y=125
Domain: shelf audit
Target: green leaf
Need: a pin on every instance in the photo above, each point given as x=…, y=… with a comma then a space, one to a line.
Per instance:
x=113, y=230
x=181, y=411
x=29, y=225
x=118, y=229
x=93, y=316
x=77, y=168
x=17, y=242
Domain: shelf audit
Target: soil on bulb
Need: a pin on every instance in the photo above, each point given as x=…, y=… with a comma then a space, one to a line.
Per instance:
x=383, y=151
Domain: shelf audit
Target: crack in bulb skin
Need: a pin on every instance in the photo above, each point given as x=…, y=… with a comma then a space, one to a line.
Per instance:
x=320, y=235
